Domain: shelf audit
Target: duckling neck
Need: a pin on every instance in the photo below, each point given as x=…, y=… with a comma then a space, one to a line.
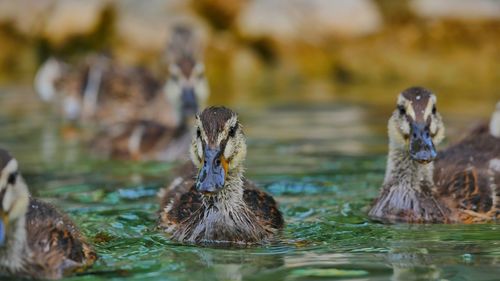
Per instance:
x=403, y=171
x=231, y=196
x=407, y=192
x=226, y=216
x=11, y=256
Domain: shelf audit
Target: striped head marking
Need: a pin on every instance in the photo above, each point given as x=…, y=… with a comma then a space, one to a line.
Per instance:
x=186, y=87
x=14, y=196
x=416, y=123
x=218, y=148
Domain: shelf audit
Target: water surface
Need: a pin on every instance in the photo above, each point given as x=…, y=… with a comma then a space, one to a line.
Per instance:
x=324, y=163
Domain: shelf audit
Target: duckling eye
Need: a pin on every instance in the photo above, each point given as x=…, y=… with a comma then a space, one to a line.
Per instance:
x=232, y=131
x=12, y=178
x=434, y=110
x=402, y=110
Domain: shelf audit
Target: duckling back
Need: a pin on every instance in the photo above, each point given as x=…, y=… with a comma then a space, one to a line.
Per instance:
x=467, y=177
x=57, y=246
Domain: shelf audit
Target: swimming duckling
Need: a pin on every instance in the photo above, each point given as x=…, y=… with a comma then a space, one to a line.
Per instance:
x=36, y=240
x=186, y=90
x=100, y=89
x=103, y=90
x=220, y=205
x=460, y=184
x=151, y=140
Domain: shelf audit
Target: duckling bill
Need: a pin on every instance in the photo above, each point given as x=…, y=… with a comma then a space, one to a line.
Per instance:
x=457, y=185
x=219, y=205
x=36, y=240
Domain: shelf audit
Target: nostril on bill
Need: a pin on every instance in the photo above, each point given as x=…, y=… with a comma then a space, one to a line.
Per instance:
x=203, y=175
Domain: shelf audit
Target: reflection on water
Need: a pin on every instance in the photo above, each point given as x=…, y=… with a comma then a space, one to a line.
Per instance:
x=323, y=162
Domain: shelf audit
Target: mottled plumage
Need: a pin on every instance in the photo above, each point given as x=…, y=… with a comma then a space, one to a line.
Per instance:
x=185, y=216
x=467, y=176
x=219, y=205
x=143, y=137
x=57, y=246
x=128, y=93
x=100, y=89
x=143, y=140
x=458, y=185
x=39, y=241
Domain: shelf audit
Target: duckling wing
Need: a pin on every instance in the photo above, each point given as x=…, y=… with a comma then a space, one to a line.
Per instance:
x=179, y=202
x=263, y=206
x=128, y=93
x=467, y=176
x=135, y=85
x=56, y=244
x=132, y=140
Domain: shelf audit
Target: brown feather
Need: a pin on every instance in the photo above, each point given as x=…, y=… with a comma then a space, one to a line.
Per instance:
x=56, y=244
x=419, y=98
x=183, y=210
x=214, y=119
x=464, y=178
x=263, y=206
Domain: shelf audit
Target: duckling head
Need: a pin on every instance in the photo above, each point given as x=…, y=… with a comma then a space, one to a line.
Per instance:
x=218, y=149
x=14, y=195
x=415, y=125
x=186, y=87
x=495, y=122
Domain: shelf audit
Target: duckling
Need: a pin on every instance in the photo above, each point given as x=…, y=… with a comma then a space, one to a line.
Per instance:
x=36, y=240
x=220, y=205
x=186, y=84
x=103, y=90
x=457, y=185
x=186, y=90
x=100, y=89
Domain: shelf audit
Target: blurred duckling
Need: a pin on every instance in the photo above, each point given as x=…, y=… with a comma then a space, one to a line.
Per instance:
x=457, y=185
x=186, y=90
x=36, y=240
x=220, y=205
x=100, y=89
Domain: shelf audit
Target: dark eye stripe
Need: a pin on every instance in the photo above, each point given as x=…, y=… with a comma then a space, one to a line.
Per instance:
x=232, y=131
x=402, y=110
x=12, y=178
x=2, y=194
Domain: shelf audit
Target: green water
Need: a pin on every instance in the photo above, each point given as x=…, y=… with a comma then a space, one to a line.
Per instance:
x=324, y=163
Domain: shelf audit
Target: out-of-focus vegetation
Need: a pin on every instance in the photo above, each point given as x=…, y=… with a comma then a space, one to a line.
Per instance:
x=347, y=46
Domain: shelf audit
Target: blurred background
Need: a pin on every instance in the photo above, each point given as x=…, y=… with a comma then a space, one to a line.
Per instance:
x=314, y=81
x=265, y=51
